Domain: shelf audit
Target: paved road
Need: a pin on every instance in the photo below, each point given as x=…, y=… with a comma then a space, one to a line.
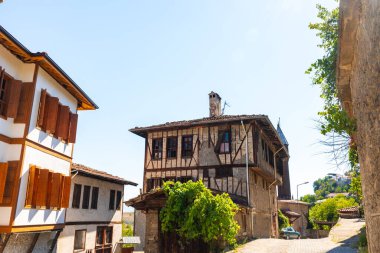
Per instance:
x=339, y=240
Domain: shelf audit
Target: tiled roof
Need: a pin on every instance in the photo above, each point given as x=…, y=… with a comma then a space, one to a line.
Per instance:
x=291, y=201
x=349, y=209
x=198, y=122
x=87, y=171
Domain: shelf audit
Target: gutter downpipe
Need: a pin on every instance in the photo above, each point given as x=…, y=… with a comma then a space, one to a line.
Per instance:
x=246, y=162
x=275, y=180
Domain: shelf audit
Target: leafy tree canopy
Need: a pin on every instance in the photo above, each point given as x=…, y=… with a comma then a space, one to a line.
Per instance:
x=193, y=212
x=328, y=209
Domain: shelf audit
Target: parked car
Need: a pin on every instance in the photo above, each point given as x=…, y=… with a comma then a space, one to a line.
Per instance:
x=289, y=233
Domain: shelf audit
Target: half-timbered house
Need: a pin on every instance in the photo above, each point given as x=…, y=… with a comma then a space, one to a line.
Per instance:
x=38, y=121
x=242, y=155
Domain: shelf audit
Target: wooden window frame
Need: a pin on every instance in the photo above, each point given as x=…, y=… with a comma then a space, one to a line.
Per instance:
x=119, y=196
x=172, y=147
x=157, y=150
x=111, y=204
x=223, y=142
x=77, y=192
x=94, y=201
x=86, y=197
x=84, y=243
x=103, y=230
x=5, y=80
x=186, y=152
x=8, y=183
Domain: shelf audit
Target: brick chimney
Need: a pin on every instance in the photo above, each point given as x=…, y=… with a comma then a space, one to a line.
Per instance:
x=215, y=104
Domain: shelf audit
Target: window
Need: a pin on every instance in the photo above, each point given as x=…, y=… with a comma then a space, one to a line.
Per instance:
x=47, y=189
x=86, y=196
x=7, y=182
x=157, y=148
x=112, y=200
x=80, y=240
x=3, y=93
x=56, y=119
x=76, y=195
x=171, y=146
x=187, y=146
x=103, y=239
x=118, y=200
x=94, y=198
x=225, y=142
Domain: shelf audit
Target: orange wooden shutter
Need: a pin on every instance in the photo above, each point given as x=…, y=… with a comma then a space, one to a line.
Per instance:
x=41, y=109
x=3, y=178
x=10, y=182
x=73, y=127
x=50, y=114
x=13, y=98
x=56, y=184
x=48, y=190
x=42, y=188
x=63, y=121
x=66, y=185
x=26, y=98
x=31, y=186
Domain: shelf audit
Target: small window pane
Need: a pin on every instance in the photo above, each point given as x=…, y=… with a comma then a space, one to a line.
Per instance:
x=157, y=148
x=80, y=240
x=171, y=147
x=86, y=196
x=109, y=235
x=112, y=200
x=94, y=198
x=76, y=195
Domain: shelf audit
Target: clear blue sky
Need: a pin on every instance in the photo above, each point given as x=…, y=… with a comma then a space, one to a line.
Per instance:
x=147, y=62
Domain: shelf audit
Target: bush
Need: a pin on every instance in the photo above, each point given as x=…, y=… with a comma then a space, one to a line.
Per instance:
x=283, y=221
x=193, y=212
x=328, y=210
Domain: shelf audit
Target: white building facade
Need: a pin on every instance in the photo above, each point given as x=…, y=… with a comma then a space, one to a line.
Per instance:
x=94, y=218
x=38, y=121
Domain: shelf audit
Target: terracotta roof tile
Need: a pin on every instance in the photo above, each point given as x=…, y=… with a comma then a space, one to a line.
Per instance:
x=87, y=171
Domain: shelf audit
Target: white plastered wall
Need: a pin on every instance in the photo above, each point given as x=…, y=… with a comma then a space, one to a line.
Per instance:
x=20, y=71
x=66, y=239
x=102, y=213
x=45, y=81
x=27, y=216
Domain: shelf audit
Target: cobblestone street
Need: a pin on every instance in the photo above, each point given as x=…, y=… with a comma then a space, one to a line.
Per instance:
x=339, y=241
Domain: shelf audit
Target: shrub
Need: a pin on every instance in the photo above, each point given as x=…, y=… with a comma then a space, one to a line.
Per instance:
x=283, y=221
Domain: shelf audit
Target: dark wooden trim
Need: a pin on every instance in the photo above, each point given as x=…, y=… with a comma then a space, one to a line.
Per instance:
x=34, y=241
x=10, y=140
x=54, y=242
x=203, y=167
x=73, y=223
x=47, y=150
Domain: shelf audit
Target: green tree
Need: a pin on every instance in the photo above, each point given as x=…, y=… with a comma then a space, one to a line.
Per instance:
x=328, y=209
x=193, y=212
x=283, y=221
x=309, y=198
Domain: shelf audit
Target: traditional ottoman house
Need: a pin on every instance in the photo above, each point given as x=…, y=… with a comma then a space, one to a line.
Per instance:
x=94, y=217
x=38, y=122
x=242, y=155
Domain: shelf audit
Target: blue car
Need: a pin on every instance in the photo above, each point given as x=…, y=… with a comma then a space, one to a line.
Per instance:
x=289, y=233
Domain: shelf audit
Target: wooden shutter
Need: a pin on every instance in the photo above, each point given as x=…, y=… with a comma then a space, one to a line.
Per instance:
x=41, y=109
x=49, y=188
x=50, y=114
x=3, y=178
x=42, y=188
x=10, y=182
x=63, y=121
x=24, y=107
x=31, y=186
x=56, y=185
x=73, y=127
x=66, y=184
x=13, y=98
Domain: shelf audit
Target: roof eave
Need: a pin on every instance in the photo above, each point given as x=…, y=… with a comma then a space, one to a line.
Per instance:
x=43, y=60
